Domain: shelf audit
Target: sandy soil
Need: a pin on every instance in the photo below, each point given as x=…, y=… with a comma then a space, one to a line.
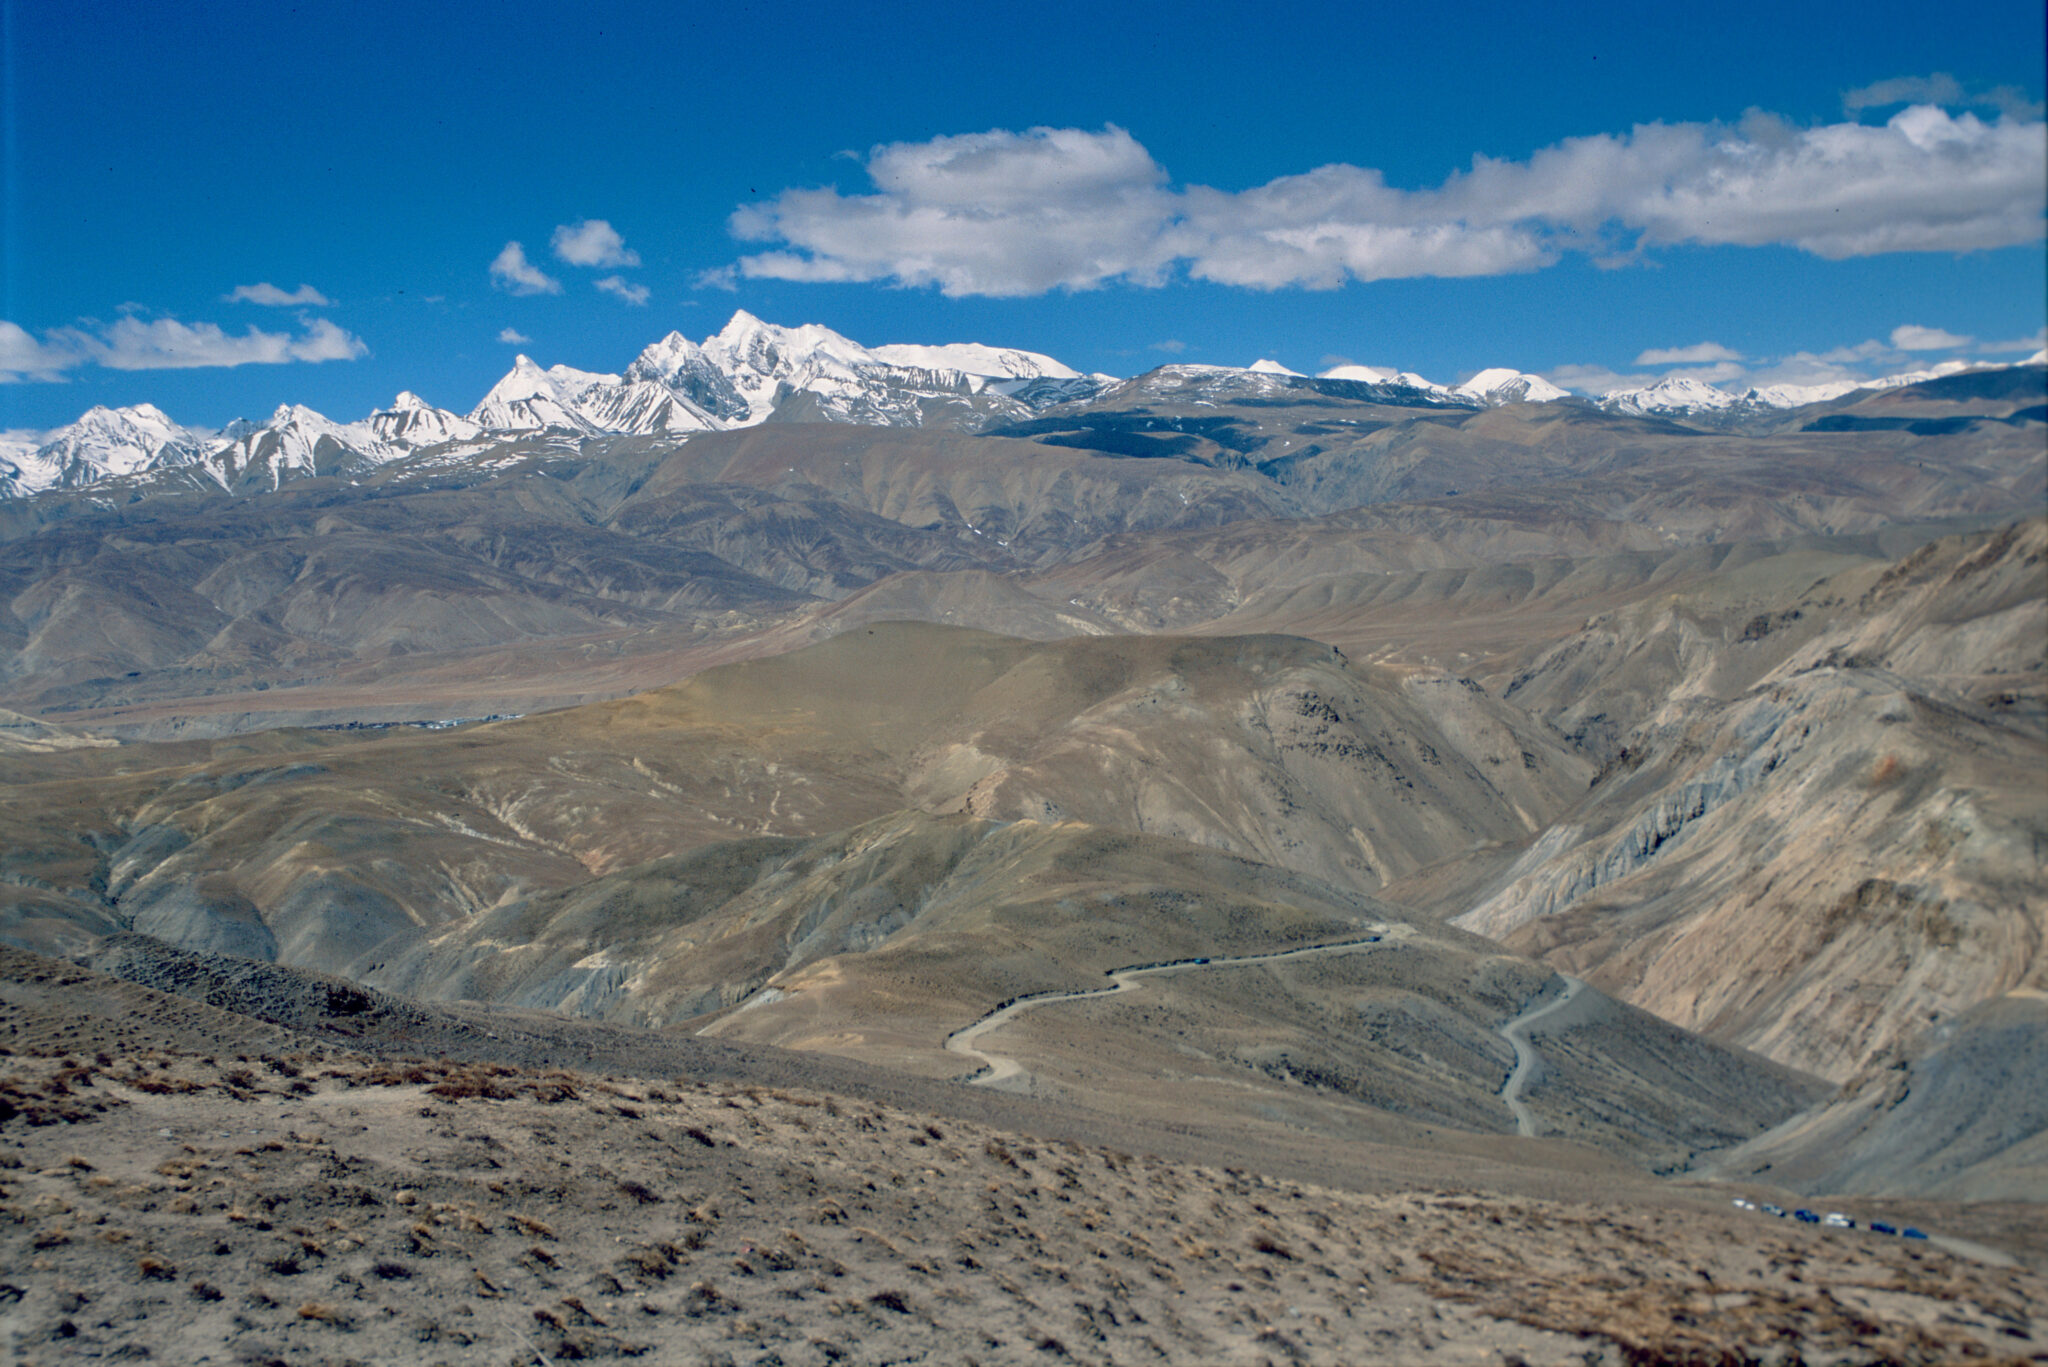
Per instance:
x=332, y=1207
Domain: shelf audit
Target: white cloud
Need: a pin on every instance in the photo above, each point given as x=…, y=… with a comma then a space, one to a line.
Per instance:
x=23, y=357
x=133, y=343
x=1870, y=350
x=1596, y=379
x=514, y=274
x=167, y=344
x=1862, y=361
x=267, y=293
x=1008, y=213
x=323, y=341
x=592, y=243
x=1688, y=355
x=512, y=336
x=1913, y=337
x=1172, y=346
x=625, y=289
x=994, y=213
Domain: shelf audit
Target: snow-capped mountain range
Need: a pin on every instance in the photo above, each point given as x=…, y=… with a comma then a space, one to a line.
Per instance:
x=749, y=372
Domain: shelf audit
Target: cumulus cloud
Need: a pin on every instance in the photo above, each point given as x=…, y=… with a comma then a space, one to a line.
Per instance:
x=305, y=296
x=512, y=336
x=592, y=243
x=1021, y=213
x=1688, y=355
x=1913, y=337
x=514, y=274
x=624, y=288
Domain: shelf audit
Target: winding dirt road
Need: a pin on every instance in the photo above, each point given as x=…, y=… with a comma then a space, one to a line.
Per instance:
x=1516, y=1033
x=998, y=1068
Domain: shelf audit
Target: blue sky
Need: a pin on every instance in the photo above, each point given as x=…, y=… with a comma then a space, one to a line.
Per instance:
x=1114, y=185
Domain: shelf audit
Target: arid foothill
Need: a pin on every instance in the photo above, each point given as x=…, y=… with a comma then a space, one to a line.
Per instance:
x=801, y=854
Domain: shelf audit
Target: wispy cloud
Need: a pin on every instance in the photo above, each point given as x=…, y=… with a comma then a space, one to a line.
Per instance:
x=1021, y=213
x=593, y=242
x=1943, y=89
x=1696, y=354
x=1172, y=346
x=512, y=336
x=305, y=296
x=624, y=289
x=514, y=274
x=133, y=343
x=1905, y=349
x=2033, y=343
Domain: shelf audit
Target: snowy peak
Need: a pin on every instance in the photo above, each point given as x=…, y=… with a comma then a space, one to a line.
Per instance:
x=764, y=361
x=295, y=443
x=412, y=421
x=1501, y=385
x=1381, y=375
x=1679, y=394
x=530, y=399
x=1799, y=395
x=1183, y=381
x=583, y=402
x=679, y=365
x=107, y=443
x=1363, y=374
x=972, y=358
x=1264, y=367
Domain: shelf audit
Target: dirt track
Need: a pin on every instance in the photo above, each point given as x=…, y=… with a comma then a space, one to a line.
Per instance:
x=1000, y=1068
x=1516, y=1033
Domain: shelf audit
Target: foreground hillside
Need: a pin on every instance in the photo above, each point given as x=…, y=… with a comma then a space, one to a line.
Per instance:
x=315, y=1199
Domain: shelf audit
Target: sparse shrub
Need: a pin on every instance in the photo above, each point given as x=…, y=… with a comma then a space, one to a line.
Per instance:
x=1267, y=1244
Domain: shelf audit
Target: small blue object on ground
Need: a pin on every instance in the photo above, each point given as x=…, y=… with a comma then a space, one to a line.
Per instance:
x=1805, y=1216
x=1880, y=1227
x=1911, y=1233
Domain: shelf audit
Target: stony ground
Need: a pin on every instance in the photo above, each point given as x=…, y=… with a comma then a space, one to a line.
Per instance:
x=331, y=1207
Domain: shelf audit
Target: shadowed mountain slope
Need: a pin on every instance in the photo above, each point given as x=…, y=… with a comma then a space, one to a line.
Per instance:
x=1821, y=821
